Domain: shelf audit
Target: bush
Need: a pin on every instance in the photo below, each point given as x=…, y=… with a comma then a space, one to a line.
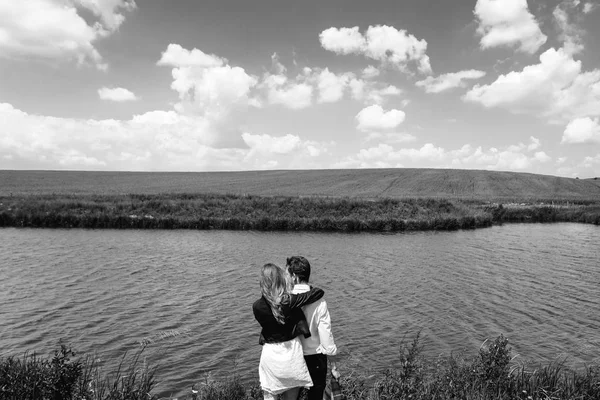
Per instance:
x=64, y=378
x=34, y=378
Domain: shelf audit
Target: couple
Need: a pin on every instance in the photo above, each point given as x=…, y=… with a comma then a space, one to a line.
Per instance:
x=296, y=332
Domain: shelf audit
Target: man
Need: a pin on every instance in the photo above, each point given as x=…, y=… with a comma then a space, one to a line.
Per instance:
x=320, y=344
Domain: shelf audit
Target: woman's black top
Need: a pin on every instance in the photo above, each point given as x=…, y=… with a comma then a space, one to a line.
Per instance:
x=295, y=321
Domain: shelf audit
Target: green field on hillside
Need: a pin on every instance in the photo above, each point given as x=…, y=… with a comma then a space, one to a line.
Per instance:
x=365, y=183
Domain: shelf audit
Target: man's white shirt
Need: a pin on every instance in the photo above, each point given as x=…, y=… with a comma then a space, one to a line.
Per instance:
x=317, y=315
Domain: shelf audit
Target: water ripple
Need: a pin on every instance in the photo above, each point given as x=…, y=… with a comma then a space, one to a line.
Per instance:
x=188, y=294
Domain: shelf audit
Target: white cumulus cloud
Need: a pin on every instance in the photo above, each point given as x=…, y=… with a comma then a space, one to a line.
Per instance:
x=211, y=89
x=449, y=81
x=156, y=140
x=518, y=157
x=177, y=56
x=582, y=130
x=56, y=30
x=291, y=94
x=556, y=89
x=116, y=94
x=383, y=43
x=375, y=118
x=343, y=40
x=295, y=93
x=508, y=23
x=332, y=86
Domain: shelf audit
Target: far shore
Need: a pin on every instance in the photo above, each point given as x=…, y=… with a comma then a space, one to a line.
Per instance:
x=280, y=213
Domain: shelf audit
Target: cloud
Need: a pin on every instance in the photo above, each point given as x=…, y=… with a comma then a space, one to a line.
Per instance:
x=516, y=157
x=386, y=44
x=589, y=7
x=391, y=137
x=296, y=93
x=332, y=86
x=56, y=30
x=379, y=96
x=591, y=162
x=156, y=140
x=449, y=81
x=116, y=94
x=357, y=88
x=588, y=167
x=555, y=89
x=177, y=56
x=582, y=131
x=508, y=23
x=343, y=40
x=569, y=31
x=319, y=85
x=108, y=10
x=370, y=72
x=270, y=144
x=290, y=94
x=371, y=92
x=374, y=118
x=289, y=151
x=211, y=89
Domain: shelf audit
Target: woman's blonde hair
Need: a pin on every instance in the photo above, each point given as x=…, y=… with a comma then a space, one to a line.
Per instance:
x=275, y=287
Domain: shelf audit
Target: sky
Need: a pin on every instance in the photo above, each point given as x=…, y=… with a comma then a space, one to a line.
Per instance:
x=222, y=85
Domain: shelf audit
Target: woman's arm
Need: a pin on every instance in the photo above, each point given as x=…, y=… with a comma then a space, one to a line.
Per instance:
x=302, y=299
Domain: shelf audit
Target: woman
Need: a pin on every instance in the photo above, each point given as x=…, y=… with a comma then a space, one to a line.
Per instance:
x=282, y=368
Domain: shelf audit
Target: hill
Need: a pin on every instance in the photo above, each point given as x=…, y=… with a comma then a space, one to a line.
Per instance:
x=595, y=181
x=364, y=183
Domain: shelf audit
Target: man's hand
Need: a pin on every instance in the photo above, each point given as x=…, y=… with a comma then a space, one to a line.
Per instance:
x=334, y=372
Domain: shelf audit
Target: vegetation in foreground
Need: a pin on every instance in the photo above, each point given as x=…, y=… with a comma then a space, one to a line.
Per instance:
x=491, y=375
x=64, y=377
x=198, y=211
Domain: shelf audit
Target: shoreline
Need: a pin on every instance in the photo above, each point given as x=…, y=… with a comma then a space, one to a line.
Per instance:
x=281, y=213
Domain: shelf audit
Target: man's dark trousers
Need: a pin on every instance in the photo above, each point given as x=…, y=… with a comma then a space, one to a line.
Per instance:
x=317, y=368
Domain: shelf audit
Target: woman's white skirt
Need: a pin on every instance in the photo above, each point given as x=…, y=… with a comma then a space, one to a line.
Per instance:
x=282, y=367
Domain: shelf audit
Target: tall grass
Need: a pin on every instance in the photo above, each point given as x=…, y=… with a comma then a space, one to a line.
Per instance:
x=64, y=377
x=206, y=211
x=189, y=211
x=493, y=374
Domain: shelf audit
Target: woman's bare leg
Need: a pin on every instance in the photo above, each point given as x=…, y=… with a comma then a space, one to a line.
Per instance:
x=291, y=394
x=269, y=396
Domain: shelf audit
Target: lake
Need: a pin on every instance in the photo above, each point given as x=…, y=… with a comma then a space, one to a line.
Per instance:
x=190, y=293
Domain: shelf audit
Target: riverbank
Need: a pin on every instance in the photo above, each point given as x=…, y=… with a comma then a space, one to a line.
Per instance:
x=494, y=374
x=235, y=212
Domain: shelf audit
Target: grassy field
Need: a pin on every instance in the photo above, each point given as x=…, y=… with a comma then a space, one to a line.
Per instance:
x=364, y=183
x=329, y=200
x=594, y=181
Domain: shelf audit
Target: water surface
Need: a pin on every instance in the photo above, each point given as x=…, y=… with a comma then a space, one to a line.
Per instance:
x=190, y=293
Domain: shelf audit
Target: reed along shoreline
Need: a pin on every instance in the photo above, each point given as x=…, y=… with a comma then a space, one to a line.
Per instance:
x=282, y=213
x=492, y=374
